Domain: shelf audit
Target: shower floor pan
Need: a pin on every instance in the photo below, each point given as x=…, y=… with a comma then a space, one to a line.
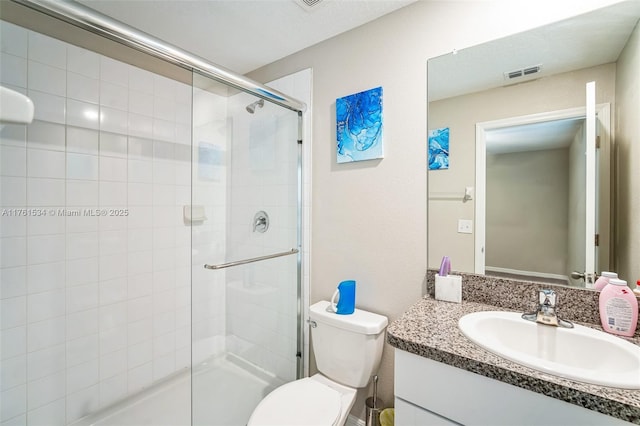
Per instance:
x=224, y=394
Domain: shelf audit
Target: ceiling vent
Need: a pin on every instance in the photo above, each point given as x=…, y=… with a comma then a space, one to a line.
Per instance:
x=523, y=72
x=308, y=5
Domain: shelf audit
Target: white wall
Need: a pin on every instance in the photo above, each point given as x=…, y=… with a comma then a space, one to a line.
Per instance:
x=369, y=218
x=627, y=154
x=93, y=308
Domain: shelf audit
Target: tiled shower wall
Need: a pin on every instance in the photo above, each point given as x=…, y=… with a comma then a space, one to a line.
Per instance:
x=95, y=254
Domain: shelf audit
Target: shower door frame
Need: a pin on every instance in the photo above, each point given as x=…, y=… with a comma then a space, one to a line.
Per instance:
x=105, y=26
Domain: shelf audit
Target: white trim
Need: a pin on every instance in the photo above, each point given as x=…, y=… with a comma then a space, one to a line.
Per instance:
x=481, y=189
x=590, y=186
x=602, y=110
x=534, y=118
x=603, y=195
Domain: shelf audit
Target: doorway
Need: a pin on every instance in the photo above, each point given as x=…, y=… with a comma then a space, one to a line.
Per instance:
x=530, y=184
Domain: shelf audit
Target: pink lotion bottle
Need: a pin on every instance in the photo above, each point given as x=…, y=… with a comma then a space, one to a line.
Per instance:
x=618, y=308
x=603, y=280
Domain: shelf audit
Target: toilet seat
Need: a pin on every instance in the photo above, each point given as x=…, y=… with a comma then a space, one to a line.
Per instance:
x=304, y=402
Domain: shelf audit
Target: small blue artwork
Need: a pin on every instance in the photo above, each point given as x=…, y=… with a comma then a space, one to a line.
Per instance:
x=439, y=149
x=359, y=126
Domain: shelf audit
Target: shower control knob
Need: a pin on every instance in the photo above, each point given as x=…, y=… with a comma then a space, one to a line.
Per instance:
x=261, y=222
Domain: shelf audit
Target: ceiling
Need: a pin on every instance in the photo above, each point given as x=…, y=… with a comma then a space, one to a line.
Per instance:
x=554, y=134
x=584, y=41
x=243, y=35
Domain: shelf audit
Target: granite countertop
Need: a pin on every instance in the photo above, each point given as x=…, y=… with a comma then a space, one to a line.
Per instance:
x=430, y=329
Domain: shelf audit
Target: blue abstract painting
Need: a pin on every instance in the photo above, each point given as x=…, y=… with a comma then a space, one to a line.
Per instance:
x=359, y=126
x=439, y=149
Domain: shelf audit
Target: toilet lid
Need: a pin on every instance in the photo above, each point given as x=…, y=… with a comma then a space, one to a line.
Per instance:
x=304, y=402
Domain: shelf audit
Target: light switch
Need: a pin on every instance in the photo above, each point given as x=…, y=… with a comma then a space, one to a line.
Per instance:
x=465, y=226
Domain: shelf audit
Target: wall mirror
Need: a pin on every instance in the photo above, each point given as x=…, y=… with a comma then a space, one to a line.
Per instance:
x=512, y=201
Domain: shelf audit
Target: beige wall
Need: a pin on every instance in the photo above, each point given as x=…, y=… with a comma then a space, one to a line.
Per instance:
x=628, y=159
x=519, y=234
x=369, y=217
x=461, y=113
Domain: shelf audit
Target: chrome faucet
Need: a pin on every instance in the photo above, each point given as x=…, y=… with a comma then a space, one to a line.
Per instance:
x=546, y=312
x=261, y=221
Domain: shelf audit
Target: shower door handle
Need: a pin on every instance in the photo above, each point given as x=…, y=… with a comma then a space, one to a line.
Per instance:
x=253, y=259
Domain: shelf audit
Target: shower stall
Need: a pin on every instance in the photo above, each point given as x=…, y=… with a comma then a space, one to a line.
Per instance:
x=151, y=229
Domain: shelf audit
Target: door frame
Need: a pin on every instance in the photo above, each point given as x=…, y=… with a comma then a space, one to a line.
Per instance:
x=603, y=113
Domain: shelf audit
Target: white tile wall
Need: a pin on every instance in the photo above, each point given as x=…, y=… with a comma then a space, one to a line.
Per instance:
x=82, y=88
x=97, y=308
x=47, y=79
x=13, y=70
x=92, y=308
x=84, y=62
x=46, y=135
x=51, y=108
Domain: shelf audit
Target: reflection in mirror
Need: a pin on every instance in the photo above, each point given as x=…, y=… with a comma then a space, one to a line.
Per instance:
x=528, y=166
x=515, y=110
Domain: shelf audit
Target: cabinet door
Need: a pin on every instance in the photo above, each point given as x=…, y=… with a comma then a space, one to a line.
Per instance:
x=407, y=414
x=457, y=395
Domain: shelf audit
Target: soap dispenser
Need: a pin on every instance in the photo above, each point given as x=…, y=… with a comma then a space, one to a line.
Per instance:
x=618, y=308
x=603, y=280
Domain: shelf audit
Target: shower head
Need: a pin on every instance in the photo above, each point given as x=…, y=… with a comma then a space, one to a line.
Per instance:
x=251, y=108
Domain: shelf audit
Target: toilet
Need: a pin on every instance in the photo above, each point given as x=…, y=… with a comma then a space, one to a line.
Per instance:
x=348, y=349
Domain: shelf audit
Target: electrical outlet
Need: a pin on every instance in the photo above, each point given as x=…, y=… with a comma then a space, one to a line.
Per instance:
x=465, y=226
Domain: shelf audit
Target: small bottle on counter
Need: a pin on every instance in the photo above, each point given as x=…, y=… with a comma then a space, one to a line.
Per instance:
x=618, y=308
x=603, y=280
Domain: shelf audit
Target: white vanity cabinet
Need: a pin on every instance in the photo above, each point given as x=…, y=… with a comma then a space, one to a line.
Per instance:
x=428, y=393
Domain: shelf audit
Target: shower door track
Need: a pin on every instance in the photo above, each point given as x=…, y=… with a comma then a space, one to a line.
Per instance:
x=251, y=260
x=89, y=19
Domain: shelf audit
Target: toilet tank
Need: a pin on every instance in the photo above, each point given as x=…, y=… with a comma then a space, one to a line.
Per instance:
x=347, y=348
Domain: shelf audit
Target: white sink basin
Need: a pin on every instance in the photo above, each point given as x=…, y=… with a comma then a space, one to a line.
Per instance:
x=580, y=353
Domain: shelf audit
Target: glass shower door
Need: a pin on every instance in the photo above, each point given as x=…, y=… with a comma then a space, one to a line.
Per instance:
x=244, y=220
